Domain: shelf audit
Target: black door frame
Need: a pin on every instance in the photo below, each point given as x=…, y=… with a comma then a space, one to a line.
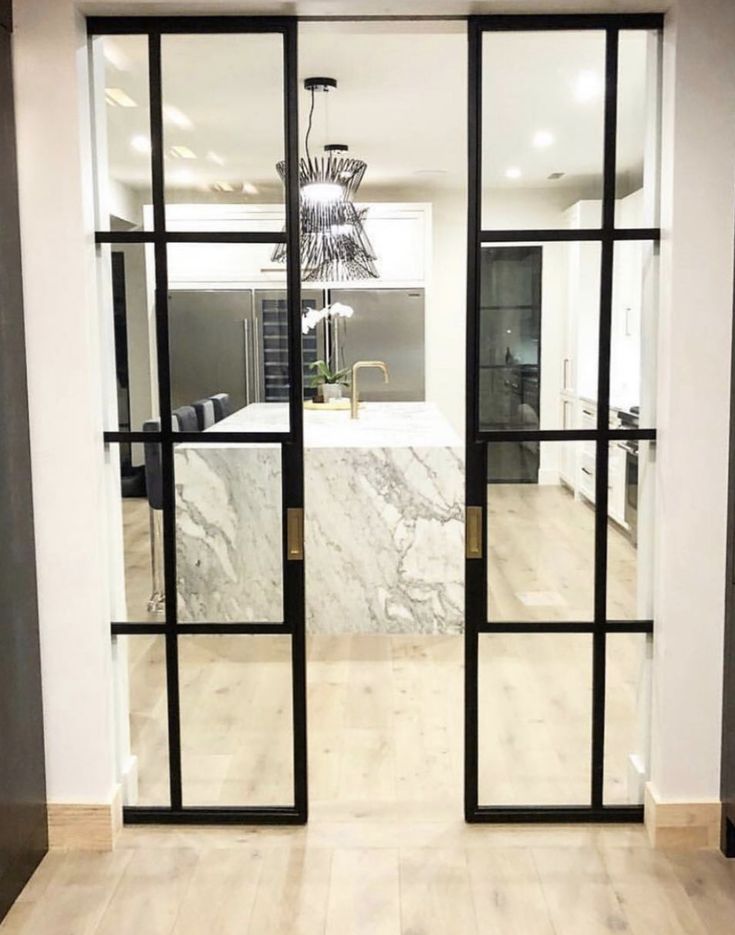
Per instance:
x=291, y=442
x=476, y=440
x=476, y=603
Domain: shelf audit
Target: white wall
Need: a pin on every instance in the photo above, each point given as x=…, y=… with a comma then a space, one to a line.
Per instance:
x=65, y=389
x=65, y=400
x=694, y=375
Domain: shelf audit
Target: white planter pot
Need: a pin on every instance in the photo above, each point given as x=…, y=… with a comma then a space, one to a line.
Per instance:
x=330, y=391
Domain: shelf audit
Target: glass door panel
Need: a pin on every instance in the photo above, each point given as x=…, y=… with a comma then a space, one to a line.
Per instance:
x=216, y=708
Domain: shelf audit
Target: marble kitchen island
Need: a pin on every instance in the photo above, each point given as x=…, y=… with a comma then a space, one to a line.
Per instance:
x=384, y=522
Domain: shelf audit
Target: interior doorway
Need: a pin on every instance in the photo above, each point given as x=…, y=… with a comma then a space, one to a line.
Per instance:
x=297, y=549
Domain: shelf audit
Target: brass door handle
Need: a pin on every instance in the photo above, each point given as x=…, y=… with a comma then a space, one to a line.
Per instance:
x=295, y=534
x=473, y=531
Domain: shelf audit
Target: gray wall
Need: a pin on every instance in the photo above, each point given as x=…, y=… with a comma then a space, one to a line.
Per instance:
x=23, y=839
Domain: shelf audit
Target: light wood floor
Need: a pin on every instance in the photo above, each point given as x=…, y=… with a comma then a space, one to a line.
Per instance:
x=540, y=558
x=377, y=874
x=386, y=850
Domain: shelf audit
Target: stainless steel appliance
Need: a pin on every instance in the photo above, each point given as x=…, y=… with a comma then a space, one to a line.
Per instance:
x=630, y=447
x=210, y=340
x=234, y=341
x=387, y=325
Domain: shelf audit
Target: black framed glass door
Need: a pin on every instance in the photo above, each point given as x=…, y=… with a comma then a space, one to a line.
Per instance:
x=560, y=410
x=214, y=636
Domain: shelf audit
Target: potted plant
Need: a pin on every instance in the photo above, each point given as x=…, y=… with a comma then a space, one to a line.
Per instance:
x=328, y=382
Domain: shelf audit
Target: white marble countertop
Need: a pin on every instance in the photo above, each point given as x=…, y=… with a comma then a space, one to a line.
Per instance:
x=380, y=425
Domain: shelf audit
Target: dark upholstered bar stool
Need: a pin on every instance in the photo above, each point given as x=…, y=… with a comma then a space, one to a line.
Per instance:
x=222, y=407
x=154, y=492
x=185, y=419
x=204, y=409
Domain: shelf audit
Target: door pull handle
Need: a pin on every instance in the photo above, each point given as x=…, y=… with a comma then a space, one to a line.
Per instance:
x=295, y=534
x=473, y=532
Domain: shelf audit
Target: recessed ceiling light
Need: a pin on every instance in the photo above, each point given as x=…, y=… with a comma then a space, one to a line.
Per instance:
x=177, y=117
x=223, y=187
x=182, y=152
x=182, y=177
x=588, y=86
x=116, y=97
x=141, y=144
x=249, y=189
x=215, y=158
x=513, y=172
x=542, y=139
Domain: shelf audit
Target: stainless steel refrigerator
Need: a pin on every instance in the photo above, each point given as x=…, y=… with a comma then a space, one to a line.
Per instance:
x=234, y=341
x=387, y=325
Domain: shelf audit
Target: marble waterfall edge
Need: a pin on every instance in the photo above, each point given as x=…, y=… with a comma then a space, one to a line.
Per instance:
x=384, y=540
x=384, y=524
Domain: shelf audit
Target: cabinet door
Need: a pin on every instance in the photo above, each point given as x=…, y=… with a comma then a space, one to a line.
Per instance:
x=399, y=242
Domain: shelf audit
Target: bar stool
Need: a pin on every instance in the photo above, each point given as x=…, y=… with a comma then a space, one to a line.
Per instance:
x=222, y=406
x=154, y=493
x=185, y=419
x=204, y=409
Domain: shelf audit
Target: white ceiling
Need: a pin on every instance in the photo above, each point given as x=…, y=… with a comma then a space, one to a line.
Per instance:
x=400, y=105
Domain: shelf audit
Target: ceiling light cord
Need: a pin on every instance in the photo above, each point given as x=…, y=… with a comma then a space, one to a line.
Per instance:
x=308, y=129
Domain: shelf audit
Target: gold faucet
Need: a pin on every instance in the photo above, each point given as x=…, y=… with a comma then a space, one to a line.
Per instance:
x=362, y=365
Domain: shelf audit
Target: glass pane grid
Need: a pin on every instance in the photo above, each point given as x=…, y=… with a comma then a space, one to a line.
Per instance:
x=185, y=221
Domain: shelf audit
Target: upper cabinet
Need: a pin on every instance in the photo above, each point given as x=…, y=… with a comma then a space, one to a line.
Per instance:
x=400, y=235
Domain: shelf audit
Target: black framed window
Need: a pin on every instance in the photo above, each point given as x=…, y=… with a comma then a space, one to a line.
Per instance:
x=561, y=339
x=221, y=613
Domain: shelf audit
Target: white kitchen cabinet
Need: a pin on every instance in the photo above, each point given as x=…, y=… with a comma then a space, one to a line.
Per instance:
x=616, y=484
x=400, y=238
x=568, y=461
x=400, y=235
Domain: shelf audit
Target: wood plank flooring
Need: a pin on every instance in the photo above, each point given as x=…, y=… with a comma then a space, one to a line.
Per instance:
x=379, y=876
x=386, y=850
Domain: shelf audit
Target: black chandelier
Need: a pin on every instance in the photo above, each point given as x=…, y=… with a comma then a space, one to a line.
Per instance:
x=334, y=244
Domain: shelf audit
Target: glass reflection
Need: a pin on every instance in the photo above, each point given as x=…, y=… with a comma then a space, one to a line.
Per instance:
x=542, y=127
x=122, y=130
x=539, y=334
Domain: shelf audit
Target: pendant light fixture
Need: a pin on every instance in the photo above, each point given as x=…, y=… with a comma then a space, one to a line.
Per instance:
x=334, y=244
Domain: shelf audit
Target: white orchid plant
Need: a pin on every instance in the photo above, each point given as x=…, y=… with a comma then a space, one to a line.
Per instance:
x=311, y=317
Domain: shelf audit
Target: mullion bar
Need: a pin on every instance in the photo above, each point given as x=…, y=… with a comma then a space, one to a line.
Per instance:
x=201, y=628
x=569, y=627
x=140, y=236
x=475, y=451
x=267, y=237
x=293, y=454
x=563, y=435
x=574, y=234
x=284, y=438
x=599, y=639
x=164, y=397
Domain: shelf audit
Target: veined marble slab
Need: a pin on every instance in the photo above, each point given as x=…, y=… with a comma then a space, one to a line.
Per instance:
x=384, y=522
x=228, y=534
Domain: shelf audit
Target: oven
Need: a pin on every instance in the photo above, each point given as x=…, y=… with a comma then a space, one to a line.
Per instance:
x=630, y=448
